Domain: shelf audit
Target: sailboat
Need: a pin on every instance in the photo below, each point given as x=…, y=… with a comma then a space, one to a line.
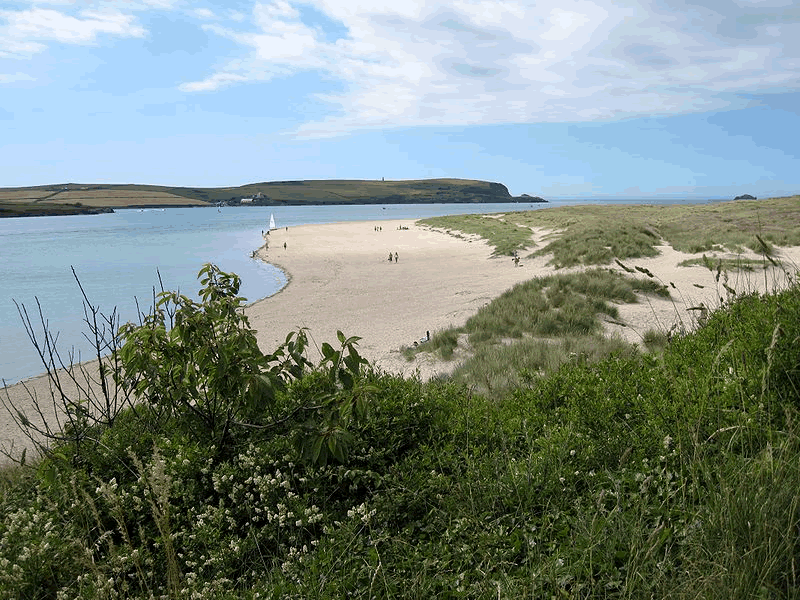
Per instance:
x=272, y=222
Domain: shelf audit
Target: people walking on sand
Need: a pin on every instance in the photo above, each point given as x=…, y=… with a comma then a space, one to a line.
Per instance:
x=390, y=257
x=395, y=257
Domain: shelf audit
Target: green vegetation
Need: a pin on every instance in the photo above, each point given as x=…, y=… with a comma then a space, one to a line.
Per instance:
x=727, y=264
x=655, y=340
x=22, y=209
x=538, y=325
x=244, y=475
x=504, y=236
x=595, y=235
x=274, y=193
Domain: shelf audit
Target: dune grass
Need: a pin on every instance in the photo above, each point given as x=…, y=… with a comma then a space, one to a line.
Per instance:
x=539, y=324
x=596, y=235
x=505, y=236
x=728, y=264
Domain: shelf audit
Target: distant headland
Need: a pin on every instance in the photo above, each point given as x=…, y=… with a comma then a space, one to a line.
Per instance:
x=74, y=198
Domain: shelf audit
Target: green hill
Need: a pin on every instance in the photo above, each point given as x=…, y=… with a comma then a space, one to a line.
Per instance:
x=76, y=198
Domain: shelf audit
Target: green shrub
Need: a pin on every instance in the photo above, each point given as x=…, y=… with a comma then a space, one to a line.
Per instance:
x=626, y=476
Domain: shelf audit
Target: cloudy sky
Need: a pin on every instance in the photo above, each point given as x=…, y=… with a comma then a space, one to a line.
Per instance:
x=559, y=98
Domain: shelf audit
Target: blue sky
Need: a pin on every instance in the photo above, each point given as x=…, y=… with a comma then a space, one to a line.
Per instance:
x=558, y=98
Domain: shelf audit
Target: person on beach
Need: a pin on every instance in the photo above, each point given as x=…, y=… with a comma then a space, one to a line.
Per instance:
x=390, y=257
x=284, y=245
x=395, y=257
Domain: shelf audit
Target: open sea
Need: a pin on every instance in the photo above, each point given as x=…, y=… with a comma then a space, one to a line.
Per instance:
x=118, y=257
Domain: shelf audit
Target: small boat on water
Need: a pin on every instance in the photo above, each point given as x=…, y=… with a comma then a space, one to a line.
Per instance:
x=272, y=222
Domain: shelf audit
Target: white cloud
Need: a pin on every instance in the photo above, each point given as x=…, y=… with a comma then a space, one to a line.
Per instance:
x=26, y=32
x=12, y=77
x=115, y=5
x=464, y=62
x=216, y=81
x=11, y=48
x=563, y=24
x=204, y=13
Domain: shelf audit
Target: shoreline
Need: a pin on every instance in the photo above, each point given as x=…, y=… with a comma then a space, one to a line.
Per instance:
x=339, y=278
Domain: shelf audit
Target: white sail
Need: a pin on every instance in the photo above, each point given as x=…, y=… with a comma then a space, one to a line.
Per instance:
x=272, y=221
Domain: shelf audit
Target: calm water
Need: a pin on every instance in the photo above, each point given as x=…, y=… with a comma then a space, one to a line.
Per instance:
x=116, y=257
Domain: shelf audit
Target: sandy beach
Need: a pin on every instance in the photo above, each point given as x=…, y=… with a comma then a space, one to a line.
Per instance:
x=340, y=278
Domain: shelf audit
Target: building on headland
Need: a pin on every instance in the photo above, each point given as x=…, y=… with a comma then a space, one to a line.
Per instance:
x=254, y=199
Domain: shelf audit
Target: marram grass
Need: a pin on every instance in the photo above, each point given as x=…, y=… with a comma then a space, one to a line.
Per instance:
x=597, y=234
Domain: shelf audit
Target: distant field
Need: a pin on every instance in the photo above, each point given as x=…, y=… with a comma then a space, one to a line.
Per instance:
x=274, y=193
x=22, y=196
x=116, y=198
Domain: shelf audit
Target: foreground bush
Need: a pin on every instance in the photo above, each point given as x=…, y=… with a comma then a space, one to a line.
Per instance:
x=638, y=476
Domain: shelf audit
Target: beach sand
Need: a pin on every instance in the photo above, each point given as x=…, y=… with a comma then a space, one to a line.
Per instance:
x=340, y=278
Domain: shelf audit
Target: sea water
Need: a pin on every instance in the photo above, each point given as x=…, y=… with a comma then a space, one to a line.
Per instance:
x=119, y=257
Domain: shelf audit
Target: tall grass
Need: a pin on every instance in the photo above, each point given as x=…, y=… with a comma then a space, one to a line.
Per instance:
x=539, y=324
x=500, y=232
x=595, y=234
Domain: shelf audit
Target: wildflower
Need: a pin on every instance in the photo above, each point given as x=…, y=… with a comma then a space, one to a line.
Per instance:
x=667, y=442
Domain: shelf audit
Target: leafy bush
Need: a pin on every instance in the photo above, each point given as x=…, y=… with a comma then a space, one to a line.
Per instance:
x=670, y=475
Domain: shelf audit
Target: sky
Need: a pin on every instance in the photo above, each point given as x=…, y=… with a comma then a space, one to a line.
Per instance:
x=555, y=98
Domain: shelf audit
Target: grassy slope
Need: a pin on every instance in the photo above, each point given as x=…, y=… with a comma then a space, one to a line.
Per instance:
x=595, y=234
x=278, y=193
x=536, y=326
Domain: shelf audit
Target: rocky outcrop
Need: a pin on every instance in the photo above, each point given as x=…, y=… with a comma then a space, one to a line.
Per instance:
x=527, y=198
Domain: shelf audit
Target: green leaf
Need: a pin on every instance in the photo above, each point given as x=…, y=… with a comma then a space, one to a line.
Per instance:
x=328, y=352
x=316, y=449
x=347, y=379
